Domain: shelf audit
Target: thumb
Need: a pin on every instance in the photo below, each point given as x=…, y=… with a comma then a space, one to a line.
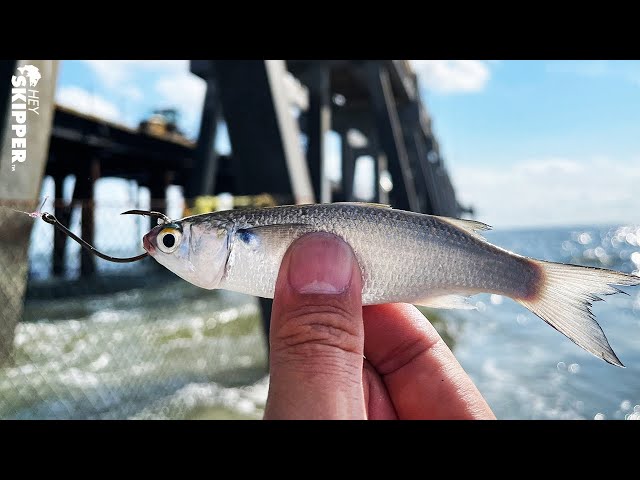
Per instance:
x=317, y=333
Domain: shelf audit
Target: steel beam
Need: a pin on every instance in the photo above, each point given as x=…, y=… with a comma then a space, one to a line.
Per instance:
x=62, y=213
x=432, y=204
x=202, y=178
x=84, y=196
x=318, y=124
x=264, y=137
x=403, y=195
x=348, y=169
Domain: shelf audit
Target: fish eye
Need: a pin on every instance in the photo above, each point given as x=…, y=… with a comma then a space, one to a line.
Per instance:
x=169, y=239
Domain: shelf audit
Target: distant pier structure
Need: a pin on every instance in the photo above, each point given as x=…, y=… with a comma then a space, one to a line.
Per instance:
x=277, y=115
x=268, y=107
x=374, y=106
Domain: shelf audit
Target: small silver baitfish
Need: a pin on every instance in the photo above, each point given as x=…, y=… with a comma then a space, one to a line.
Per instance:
x=404, y=257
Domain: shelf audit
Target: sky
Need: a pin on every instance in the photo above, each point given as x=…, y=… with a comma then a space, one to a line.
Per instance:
x=527, y=143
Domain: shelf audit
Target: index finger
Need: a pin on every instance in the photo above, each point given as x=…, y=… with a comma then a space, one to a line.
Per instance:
x=422, y=375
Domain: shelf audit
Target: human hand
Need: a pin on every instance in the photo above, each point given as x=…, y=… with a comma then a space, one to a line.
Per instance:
x=320, y=335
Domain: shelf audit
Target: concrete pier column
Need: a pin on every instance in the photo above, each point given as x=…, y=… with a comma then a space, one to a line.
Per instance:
x=20, y=181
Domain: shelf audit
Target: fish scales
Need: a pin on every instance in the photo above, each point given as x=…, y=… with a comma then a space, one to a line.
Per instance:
x=401, y=255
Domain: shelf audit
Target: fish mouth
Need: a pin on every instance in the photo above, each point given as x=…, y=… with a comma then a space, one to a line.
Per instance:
x=148, y=242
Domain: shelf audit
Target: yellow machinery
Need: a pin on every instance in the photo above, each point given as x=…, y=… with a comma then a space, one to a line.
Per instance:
x=162, y=123
x=210, y=203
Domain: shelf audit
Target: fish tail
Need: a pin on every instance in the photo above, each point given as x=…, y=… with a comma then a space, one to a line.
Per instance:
x=563, y=297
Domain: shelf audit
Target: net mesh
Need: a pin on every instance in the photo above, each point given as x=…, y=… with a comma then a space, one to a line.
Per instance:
x=129, y=341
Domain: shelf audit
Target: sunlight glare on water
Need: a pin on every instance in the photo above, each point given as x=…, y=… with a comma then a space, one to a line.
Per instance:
x=526, y=369
x=131, y=356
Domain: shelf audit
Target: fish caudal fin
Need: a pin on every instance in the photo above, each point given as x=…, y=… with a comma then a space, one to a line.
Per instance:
x=564, y=300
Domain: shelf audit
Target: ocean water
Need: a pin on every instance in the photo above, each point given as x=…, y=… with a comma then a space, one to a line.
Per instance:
x=176, y=351
x=526, y=369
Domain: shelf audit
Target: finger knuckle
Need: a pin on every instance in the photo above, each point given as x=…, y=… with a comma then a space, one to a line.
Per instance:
x=315, y=328
x=405, y=353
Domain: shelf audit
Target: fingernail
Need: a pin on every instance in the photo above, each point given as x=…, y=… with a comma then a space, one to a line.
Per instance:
x=320, y=263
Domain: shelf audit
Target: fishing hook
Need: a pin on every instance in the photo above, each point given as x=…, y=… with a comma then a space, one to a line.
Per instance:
x=51, y=219
x=158, y=215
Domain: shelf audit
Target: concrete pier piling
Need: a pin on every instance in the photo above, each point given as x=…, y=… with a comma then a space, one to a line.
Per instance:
x=27, y=114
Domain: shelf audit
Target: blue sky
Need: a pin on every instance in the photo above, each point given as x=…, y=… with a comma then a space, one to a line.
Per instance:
x=528, y=143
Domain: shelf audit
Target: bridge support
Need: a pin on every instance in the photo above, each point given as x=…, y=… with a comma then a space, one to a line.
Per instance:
x=348, y=168
x=390, y=134
x=83, y=196
x=267, y=154
x=159, y=181
x=432, y=203
x=203, y=177
x=62, y=213
x=318, y=124
x=20, y=188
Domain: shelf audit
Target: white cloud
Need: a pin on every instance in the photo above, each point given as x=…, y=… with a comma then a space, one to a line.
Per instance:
x=172, y=85
x=132, y=92
x=85, y=102
x=452, y=76
x=551, y=191
x=114, y=73
x=185, y=92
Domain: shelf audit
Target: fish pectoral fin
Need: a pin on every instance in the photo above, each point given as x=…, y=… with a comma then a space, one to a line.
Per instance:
x=267, y=235
x=447, y=301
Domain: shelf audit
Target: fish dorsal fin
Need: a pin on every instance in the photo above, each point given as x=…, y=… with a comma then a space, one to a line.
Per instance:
x=446, y=301
x=470, y=226
x=363, y=204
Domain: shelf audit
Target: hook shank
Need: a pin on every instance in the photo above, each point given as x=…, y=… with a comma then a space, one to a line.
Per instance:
x=51, y=219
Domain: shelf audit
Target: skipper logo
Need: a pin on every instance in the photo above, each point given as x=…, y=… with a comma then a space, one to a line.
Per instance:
x=24, y=99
